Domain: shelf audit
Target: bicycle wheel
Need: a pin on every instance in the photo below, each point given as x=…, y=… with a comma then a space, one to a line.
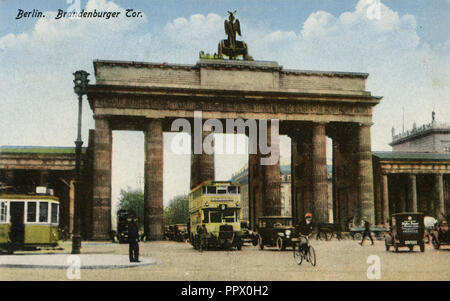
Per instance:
x=298, y=255
x=311, y=256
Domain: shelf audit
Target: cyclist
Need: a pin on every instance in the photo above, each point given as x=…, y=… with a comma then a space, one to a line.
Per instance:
x=305, y=228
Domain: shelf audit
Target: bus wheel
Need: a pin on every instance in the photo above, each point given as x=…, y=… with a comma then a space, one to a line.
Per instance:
x=239, y=246
x=435, y=243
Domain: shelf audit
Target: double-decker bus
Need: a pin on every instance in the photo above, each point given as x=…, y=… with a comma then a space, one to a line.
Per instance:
x=216, y=205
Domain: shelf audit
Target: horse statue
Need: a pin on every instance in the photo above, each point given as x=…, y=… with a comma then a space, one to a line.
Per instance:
x=232, y=47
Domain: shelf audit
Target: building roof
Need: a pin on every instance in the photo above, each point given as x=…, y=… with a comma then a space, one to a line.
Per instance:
x=51, y=150
x=405, y=156
x=418, y=132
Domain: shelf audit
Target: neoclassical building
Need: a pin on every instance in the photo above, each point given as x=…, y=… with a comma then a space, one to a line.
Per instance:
x=415, y=176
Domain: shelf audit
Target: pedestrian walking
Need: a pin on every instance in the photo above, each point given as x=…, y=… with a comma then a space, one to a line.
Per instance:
x=366, y=233
x=133, y=238
x=203, y=233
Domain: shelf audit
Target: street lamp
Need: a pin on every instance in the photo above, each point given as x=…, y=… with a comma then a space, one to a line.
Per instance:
x=81, y=81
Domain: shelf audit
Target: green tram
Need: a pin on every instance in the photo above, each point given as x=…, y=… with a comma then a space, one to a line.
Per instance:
x=28, y=221
x=216, y=205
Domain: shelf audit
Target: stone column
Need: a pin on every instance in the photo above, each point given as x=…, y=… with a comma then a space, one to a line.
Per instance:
x=413, y=192
x=301, y=169
x=254, y=206
x=272, y=205
x=101, y=207
x=202, y=165
x=153, y=180
x=294, y=181
x=335, y=198
x=439, y=192
x=365, y=175
x=385, y=197
x=44, y=178
x=319, y=173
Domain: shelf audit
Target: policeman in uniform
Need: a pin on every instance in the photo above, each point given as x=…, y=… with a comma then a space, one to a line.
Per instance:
x=133, y=238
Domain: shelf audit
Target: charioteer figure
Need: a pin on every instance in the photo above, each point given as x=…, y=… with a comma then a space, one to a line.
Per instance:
x=232, y=47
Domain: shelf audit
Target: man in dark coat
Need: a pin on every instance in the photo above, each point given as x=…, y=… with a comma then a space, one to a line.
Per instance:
x=366, y=233
x=133, y=238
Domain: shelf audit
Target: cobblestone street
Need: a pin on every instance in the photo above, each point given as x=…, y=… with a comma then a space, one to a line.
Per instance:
x=336, y=260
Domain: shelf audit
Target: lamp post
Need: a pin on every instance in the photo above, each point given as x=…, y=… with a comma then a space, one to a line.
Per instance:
x=81, y=81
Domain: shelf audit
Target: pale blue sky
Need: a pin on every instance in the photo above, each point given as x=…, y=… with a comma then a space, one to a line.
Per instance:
x=406, y=51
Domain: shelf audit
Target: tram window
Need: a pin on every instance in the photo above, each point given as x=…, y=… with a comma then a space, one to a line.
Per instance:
x=3, y=211
x=211, y=190
x=31, y=212
x=232, y=189
x=205, y=216
x=43, y=212
x=229, y=215
x=54, y=213
x=216, y=216
x=221, y=191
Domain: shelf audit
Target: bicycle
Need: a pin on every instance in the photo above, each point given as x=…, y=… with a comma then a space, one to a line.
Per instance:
x=304, y=251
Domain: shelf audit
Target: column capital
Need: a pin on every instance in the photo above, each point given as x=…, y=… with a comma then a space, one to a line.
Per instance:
x=100, y=117
x=365, y=124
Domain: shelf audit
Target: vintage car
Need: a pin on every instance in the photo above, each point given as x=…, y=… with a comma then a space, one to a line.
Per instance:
x=406, y=230
x=275, y=231
x=441, y=235
x=177, y=232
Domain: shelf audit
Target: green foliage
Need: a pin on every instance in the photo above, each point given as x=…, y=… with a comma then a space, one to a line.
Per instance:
x=177, y=212
x=133, y=200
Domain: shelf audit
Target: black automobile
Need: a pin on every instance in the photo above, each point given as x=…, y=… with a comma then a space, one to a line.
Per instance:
x=406, y=230
x=441, y=235
x=122, y=225
x=275, y=231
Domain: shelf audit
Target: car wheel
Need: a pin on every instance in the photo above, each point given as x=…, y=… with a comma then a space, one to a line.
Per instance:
x=260, y=242
x=255, y=241
x=435, y=243
x=280, y=245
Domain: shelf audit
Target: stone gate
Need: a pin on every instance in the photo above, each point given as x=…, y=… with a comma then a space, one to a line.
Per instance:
x=310, y=105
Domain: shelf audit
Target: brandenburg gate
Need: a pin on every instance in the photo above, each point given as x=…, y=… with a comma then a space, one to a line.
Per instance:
x=310, y=106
